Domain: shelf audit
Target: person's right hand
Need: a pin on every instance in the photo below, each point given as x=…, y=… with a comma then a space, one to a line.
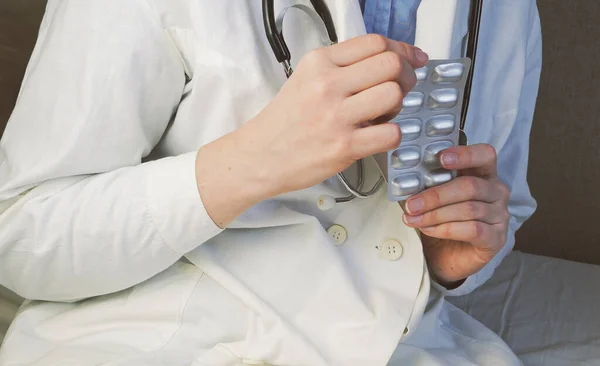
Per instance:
x=322, y=120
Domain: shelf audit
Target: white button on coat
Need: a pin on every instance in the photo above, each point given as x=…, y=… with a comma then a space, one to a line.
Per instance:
x=325, y=202
x=338, y=233
x=391, y=250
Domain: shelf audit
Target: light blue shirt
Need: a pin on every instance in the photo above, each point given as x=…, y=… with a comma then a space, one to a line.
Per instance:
x=395, y=19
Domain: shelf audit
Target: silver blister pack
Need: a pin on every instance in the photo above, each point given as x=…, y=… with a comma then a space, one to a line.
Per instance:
x=429, y=121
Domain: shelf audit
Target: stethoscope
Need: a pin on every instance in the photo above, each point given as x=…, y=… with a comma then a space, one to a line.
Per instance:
x=322, y=18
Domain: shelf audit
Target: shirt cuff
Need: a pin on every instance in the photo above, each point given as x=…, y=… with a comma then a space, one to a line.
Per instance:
x=175, y=204
x=470, y=284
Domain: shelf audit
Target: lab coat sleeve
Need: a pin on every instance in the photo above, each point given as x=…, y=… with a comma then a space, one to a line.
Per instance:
x=80, y=214
x=513, y=160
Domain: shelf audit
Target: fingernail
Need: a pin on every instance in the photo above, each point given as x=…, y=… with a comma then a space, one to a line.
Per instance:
x=411, y=220
x=415, y=205
x=421, y=56
x=449, y=158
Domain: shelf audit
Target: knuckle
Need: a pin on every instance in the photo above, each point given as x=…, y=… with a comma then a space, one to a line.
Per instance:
x=434, y=197
x=474, y=211
x=505, y=215
x=312, y=58
x=409, y=51
x=377, y=42
x=395, y=136
x=446, y=231
x=490, y=152
x=393, y=91
x=322, y=86
x=500, y=238
x=432, y=217
x=468, y=157
x=504, y=191
x=330, y=119
x=340, y=150
x=470, y=186
x=477, y=230
x=396, y=110
x=392, y=62
x=412, y=80
x=390, y=96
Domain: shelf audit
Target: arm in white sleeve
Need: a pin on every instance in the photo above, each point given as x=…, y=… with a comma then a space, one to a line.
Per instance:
x=513, y=160
x=80, y=215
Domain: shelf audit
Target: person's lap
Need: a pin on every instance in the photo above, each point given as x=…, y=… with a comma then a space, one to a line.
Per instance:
x=169, y=320
x=541, y=307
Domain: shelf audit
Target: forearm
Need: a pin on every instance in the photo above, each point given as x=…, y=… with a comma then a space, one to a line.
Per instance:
x=231, y=179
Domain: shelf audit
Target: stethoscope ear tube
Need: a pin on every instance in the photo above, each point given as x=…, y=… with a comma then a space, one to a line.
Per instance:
x=473, y=41
x=274, y=35
x=323, y=11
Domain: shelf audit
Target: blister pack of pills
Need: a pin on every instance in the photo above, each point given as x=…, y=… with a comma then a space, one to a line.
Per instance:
x=429, y=121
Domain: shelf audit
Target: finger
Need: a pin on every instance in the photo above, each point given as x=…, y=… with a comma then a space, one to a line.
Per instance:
x=474, y=232
x=386, y=66
x=480, y=159
x=371, y=104
x=375, y=139
x=461, y=189
x=466, y=211
x=360, y=48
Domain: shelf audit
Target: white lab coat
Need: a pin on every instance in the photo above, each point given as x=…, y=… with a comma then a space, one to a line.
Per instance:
x=99, y=201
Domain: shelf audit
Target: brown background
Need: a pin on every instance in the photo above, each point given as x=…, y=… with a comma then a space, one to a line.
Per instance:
x=565, y=148
x=564, y=172
x=19, y=23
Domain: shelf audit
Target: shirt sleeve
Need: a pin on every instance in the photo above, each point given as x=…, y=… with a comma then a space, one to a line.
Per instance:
x=513, y=160
x=80, y=214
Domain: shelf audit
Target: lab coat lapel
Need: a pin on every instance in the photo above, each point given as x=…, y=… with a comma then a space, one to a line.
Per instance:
x=441, y=27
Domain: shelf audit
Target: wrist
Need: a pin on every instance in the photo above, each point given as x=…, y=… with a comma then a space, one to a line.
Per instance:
x=449, y=284
x=230, y=179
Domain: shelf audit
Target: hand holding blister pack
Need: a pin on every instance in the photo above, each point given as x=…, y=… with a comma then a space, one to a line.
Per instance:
x=430, y=123
x=431, y=120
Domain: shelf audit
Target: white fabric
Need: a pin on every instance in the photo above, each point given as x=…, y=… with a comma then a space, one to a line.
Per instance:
x=100, y=155
x=9, y=304
x=544, y=308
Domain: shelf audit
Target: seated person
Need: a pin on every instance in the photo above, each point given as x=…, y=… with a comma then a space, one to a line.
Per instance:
x=160, y=188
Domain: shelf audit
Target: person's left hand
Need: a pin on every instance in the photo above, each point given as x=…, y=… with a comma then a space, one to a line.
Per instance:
x=465, y=221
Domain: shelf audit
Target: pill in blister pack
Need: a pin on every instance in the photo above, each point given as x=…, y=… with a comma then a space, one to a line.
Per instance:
x=429, y=121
